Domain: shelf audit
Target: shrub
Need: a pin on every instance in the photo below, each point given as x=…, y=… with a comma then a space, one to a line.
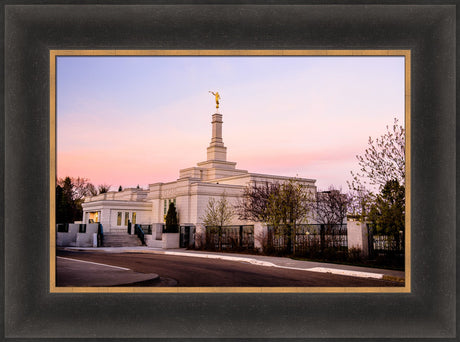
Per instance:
x=354, y=254
x=171, y=225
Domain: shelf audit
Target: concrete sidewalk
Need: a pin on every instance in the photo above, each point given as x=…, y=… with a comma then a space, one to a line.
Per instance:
x=261, y=260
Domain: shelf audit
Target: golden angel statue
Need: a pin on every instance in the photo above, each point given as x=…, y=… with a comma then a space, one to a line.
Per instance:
x=217, y=96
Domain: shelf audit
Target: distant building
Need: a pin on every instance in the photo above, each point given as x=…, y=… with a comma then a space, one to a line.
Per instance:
x=190, y=192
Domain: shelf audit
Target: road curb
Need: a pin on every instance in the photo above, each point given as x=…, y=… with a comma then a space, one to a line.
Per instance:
x=254, y=261
x=358, y=274
x=154, y=279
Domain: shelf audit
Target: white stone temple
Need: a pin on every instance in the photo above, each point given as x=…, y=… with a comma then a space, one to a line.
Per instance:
x=191, y=192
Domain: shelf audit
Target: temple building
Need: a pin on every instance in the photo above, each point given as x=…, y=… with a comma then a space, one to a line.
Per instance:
x=191, y=192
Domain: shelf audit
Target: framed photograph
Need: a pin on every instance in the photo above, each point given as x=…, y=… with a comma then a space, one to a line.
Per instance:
x=55, y=59
x=293, y=111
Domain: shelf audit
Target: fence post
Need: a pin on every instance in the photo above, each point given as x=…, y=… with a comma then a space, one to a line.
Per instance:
x=260, y=233
x=322, y=238
x=357, y=236
x=200, y=235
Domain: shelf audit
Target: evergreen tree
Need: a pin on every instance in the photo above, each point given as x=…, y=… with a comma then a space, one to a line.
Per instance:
x=388, y=212
x=382, y=162
x=70, y=194
x=171, y=224
x=66, y=208
x=61, y=208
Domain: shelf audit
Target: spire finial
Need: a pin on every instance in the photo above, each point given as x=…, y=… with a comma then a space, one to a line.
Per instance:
x=217, y=96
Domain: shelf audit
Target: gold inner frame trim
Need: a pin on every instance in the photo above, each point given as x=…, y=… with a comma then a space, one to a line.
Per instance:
x=121, y=52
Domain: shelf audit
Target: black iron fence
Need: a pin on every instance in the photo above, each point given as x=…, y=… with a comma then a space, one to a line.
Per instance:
x=186, y=236
x=146, y=228
x=311, y=240
x=62, y=227
x=388, y=249
x=230, y=237
x=82, y=228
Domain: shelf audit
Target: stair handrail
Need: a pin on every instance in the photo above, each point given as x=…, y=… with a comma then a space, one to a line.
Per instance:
x=100, y=235
x=140, y=233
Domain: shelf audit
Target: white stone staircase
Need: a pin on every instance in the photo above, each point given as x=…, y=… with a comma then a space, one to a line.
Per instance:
x=120, y=240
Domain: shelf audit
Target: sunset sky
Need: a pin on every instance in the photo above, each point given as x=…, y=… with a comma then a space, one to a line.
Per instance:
x=138, y=120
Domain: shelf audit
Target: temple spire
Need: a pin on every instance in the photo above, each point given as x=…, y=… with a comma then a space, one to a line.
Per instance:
x=216, y=149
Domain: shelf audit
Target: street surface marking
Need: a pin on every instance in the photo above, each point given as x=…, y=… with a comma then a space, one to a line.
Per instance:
x=96, y=263
x=346, y=273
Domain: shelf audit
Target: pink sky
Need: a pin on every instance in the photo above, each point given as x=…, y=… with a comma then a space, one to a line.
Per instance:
x=130, y=121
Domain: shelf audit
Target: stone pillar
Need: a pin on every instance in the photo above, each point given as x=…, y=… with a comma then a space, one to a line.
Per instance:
x=357, y=236
x=105, y=219
x=170, y=240
x=260, y=234
x=200, y=235
x=157, y=230
x=216, y=149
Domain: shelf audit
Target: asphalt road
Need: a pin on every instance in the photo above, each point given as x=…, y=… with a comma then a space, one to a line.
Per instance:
x=199, y=272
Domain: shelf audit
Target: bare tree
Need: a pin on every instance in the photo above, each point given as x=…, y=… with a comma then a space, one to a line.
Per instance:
x=287, y=208
x=360, y=202
x=218, y=214
x=103, y=188
x=331, y=206
x=81, y=187
x=92, y=190
x=383, y=160
x=282, y=205
x=253, y=206
x=70, y=194
x=330, y=209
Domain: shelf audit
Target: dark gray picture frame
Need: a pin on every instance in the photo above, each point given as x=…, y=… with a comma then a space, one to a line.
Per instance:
x=31, y=29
